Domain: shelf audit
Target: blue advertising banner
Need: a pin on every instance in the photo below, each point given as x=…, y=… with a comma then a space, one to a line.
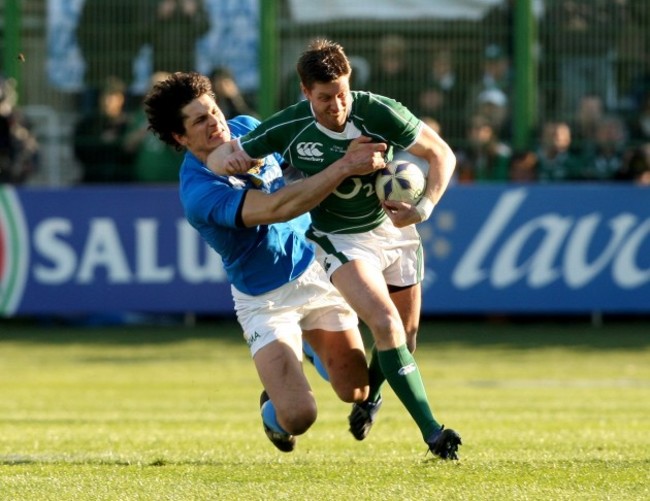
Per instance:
x=536, y=249
x=488, y=249
x=108, y=249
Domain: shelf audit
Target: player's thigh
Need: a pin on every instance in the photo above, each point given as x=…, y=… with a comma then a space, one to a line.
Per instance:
x=281, y=373
x=273, y=316
x=363, y=287
x=343, y=355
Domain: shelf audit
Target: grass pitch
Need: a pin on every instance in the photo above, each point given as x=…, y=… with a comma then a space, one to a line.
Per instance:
x=546, y=412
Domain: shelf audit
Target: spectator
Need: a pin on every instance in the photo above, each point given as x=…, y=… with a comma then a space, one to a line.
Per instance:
x=485, y=158
x=392, y=75
x=18, y=146
x=176, y=27
x=523, y=167
x=493, y=88
x=290, y=92
x=442, y=95
x=360, y=72
x=555, y=161
x=498, y=25
x=493, y=105
x=639, y=85
x=110, y=35
x=604, y=159
x=152, y=160
x=633, y=54
x=496, y=71
x=578, y=36
x=640, y=122
x=432, y=101
x=229, y=98
x=589, y=113
x=99, y=137
x=636, y=167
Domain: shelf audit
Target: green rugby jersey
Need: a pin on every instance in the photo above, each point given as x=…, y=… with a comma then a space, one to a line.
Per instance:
x=310, y=148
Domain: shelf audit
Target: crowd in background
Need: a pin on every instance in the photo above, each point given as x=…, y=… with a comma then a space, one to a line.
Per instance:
x=590, y=129
x=593, y=105
x=112, y=141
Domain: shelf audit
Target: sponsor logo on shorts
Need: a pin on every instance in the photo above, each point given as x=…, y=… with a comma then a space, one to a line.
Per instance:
x=407, y=369
x=256, y=335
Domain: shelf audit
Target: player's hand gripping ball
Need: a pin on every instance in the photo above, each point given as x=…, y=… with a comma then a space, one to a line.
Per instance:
x=401, y=181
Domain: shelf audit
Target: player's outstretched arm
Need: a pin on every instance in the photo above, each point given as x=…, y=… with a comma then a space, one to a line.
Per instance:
x=362, y=157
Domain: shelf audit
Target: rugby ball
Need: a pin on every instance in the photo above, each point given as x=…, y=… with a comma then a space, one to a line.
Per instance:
x=400, y=181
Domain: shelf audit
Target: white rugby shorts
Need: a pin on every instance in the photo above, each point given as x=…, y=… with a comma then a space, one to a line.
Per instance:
x=309, y=302
x=396, y=252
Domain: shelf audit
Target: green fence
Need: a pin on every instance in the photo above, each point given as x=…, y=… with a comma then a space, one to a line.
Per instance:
x=545, y=56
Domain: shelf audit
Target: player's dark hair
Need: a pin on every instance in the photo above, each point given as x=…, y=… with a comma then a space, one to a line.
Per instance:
x=323, y=62
x=164, y=103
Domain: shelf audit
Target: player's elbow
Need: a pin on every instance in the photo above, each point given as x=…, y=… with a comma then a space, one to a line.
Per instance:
x=451, y=161
x=445, y=158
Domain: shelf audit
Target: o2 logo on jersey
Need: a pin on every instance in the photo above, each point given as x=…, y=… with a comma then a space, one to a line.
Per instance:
x=14, y=254
x=310, y=150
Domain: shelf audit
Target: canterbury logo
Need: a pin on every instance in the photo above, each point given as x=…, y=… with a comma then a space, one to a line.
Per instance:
x=407, y=369
x=309, y=149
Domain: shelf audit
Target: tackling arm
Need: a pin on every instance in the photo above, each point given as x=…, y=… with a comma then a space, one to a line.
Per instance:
x=362, y=157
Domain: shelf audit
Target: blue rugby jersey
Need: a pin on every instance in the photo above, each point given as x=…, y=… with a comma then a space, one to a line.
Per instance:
x=258, y=259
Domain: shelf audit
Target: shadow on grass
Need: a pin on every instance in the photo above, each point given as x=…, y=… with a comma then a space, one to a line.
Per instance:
x=505, y=332
x=535, y=332
x=149, y=330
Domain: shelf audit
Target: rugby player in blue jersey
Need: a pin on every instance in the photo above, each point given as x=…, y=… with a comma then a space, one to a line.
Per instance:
x=257, y=224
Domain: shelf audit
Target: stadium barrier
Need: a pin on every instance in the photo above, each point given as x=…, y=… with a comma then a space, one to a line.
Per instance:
x=570, y=248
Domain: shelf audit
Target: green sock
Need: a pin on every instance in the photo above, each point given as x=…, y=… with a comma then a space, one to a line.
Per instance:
x=403, y=375
x=376, y=377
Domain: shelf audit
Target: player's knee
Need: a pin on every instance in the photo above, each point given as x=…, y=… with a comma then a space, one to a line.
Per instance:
x=386, y=329
x=381, y=324
x=300, y=418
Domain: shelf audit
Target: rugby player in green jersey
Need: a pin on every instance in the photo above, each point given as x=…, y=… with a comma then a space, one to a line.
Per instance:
x=371, y=250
